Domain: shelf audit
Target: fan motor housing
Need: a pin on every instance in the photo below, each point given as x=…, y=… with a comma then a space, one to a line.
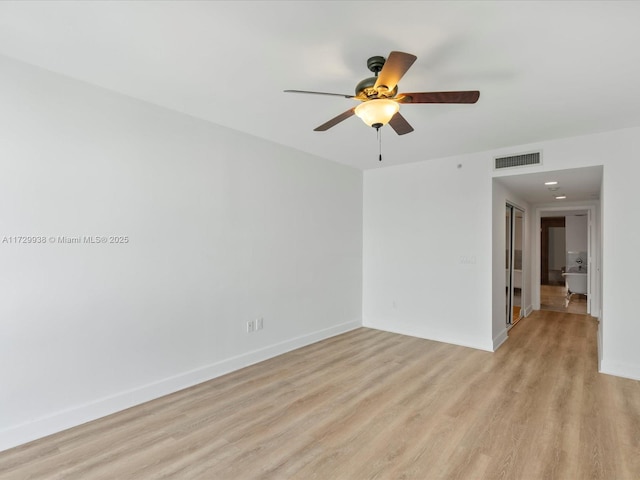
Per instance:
x=366, y=89
x=365, y=86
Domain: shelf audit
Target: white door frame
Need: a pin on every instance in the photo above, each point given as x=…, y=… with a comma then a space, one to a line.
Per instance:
x=593, y=246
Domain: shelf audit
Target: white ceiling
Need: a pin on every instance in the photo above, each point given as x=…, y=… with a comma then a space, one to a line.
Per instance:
x=544, y=69
x=577, y=184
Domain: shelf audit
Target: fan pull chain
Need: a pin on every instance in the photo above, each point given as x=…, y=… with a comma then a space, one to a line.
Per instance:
x=379, y=145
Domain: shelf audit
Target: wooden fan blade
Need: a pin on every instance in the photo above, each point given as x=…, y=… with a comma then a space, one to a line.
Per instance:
x=394, y=69
x=470, y=96
x=320, y=93
x=336, y=120
x=400, y=124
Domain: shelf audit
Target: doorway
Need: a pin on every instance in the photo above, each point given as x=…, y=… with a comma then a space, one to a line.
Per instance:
x=530, y=192
x=566, y=248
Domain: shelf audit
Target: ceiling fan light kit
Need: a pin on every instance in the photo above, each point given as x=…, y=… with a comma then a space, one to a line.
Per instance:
x=377, y=113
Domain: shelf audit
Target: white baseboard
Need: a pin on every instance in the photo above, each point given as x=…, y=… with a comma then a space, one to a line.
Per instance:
x=72, y=417
x=412, y=332
x=499, y=339
x=620, y=370
x=599, y=340
x=528, y=310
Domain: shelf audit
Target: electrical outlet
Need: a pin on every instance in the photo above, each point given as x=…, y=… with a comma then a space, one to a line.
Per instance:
x=259, y=323
x=251, y=326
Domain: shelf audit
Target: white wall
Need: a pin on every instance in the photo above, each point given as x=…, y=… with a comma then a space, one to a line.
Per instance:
x=427, y=251
x=557, y=248
x=420, y=219
x=223, y=228
x=576, y=233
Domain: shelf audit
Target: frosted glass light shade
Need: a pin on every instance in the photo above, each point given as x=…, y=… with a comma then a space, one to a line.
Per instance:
x=377, y=112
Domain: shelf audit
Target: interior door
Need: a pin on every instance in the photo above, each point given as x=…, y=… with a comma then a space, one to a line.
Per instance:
x=508, y=230
x=517, y=278
x=514, y=267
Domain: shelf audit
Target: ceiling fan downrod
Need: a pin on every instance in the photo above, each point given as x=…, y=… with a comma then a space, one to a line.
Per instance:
x=375, y=64
x=366, y=88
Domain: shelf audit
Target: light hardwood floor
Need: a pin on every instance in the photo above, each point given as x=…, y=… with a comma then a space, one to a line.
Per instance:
x=375, y=405
x=554, y=297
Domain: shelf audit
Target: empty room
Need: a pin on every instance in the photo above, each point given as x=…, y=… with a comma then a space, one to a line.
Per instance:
x=319, y=240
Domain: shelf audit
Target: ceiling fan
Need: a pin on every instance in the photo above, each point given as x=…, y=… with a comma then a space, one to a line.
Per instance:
x=381, y=100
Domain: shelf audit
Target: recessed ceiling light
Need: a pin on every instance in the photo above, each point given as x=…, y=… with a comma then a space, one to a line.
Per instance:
x=561, y=197
x=554, y=189
x=550, y=183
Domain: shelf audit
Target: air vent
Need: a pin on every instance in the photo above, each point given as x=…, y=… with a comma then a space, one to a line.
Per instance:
x=521, y=160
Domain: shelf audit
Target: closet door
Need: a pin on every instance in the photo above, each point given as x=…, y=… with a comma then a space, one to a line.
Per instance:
x=508, y=254
x=516, y=263
x=514, y=278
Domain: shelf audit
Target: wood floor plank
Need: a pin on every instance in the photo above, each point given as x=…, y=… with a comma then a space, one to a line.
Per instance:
x=374, y=405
